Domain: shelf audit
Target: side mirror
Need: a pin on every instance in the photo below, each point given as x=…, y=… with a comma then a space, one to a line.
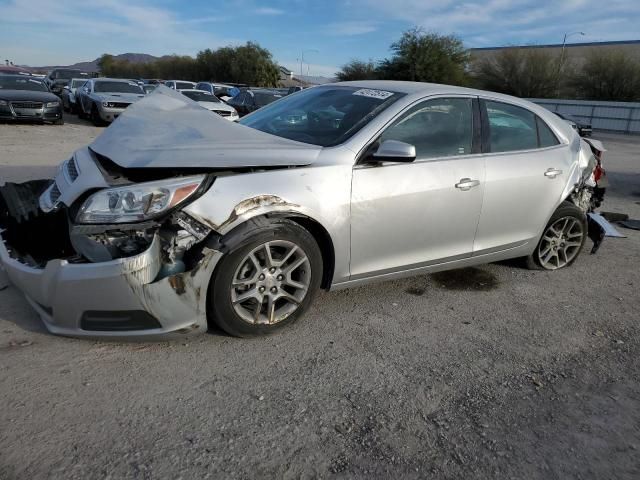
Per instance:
x=395, y=151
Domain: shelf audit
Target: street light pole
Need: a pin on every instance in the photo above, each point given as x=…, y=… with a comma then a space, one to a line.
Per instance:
x=302, y=57
x=561, y=62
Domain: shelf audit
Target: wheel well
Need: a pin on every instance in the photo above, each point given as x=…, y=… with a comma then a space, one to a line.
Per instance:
x=325, y=243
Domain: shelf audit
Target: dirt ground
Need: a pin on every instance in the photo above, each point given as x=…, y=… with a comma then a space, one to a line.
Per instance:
x=488, y=372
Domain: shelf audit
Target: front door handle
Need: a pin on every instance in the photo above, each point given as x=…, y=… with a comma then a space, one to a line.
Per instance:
x=467, y=184
x=552, y=172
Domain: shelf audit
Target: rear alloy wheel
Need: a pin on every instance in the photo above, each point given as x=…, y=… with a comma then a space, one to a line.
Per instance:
x=562, y=239
x=266, y=281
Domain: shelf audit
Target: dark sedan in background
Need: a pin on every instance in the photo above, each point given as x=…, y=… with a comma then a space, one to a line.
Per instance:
x=25, y=98
x=248, y=101
x=584, y=129
x=59, y=78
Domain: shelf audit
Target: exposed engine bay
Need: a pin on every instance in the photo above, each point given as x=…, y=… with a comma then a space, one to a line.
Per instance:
x=23, y=225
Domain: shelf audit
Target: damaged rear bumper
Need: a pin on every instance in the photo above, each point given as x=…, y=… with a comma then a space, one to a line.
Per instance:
x=118, y=298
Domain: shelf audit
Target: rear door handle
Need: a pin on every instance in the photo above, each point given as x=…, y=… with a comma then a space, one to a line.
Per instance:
x=467, y=184
x=552, y=172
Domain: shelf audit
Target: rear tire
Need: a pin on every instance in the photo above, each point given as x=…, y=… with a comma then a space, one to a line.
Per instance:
x=561, y=241
x=267, y=280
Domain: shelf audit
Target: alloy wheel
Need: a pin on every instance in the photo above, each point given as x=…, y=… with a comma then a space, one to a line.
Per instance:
x=271, y=282
x=560, y=243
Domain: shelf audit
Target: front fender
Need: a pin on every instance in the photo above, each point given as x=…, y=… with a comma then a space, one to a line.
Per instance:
x=321, y=194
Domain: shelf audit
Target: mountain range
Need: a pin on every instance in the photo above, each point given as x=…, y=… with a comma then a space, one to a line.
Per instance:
x=92, y=66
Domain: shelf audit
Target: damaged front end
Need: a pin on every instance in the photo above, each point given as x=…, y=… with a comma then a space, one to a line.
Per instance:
x=90, y=272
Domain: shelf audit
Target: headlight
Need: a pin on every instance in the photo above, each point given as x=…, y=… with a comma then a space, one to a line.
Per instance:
x=3, y=103
x=138, y=202
x=108, y=104
x=51, y=104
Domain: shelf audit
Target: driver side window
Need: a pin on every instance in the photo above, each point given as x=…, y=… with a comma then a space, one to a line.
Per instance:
x=440, y=127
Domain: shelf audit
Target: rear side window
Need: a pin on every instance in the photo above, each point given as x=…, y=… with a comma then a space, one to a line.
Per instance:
x=546, y=136
x=513, y=128
x=437, y=128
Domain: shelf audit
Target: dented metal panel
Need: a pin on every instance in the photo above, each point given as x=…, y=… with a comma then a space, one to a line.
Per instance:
x=167, y=130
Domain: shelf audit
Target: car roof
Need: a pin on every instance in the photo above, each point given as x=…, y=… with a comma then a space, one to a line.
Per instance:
x=182, y=90
x=124, y=80
x=29, y=77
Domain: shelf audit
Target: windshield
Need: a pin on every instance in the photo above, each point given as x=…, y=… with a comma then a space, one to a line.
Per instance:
x=201, y=97
x=184, y=85
x=21, y=83
x=117, y=87
x=322, y=116
x=78, y=82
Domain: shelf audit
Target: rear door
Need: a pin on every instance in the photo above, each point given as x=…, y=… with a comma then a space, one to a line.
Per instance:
x=526, y=172
x=411, y=215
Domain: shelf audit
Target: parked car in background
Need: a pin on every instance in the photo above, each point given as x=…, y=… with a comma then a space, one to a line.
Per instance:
x=180, y=84
x=248, y=101
x=173, y=220
x=212, y=103
x=68, y=94
x=149, y=87
x=104, y=99
x=58, y=78
x=583, y=128
x=223, y=92
x=13, y=70
x=28, y=99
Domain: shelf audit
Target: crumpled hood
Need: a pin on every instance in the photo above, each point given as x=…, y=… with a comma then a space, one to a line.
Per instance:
x=119, y=97
x=169, y=130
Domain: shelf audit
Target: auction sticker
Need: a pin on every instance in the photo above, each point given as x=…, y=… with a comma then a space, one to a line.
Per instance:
x=367, y=92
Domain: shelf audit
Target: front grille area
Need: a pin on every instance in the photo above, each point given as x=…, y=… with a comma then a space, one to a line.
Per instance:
x=54, y=194
x=34, y=105
x=118, y=321
x=72, y=169
x=120, y=104
x=222, y=113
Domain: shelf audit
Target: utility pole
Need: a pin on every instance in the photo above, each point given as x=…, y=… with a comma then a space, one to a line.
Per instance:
x=561, y=62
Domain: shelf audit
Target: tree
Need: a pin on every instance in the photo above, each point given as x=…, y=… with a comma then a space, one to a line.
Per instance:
x=610, y=75
x=523, y=72
x=357, y=70
x=249, y=63
x=426, y=57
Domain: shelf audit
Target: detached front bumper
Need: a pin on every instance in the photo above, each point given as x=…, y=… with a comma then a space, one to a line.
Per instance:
x=119, y=298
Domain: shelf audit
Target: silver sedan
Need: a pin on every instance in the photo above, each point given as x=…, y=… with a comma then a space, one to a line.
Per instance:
x=173, y=219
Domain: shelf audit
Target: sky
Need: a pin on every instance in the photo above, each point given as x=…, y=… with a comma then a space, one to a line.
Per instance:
x=328, y=33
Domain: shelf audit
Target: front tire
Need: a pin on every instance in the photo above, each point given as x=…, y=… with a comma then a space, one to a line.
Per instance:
x=267, y=280
x=95, y=117
x=562, y=240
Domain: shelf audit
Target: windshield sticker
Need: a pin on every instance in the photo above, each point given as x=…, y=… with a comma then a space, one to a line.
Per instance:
x=379, y=94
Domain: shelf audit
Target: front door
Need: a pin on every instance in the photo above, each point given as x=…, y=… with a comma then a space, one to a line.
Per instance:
x=410, y=215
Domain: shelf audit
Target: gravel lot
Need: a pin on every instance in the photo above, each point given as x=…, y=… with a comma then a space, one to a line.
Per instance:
x=490, y=372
